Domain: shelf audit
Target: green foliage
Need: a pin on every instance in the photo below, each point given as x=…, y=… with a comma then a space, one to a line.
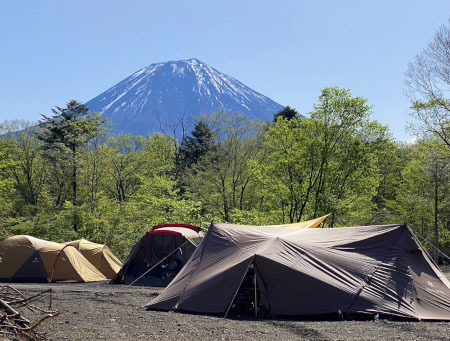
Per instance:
x=63, y=138
x=70, y=127
x=71, y=179
x=428, y=85
x=425, y=186
x=222, y=180
x=287, y=113
x=6, y=183
x=196, y=146
x=324, y=164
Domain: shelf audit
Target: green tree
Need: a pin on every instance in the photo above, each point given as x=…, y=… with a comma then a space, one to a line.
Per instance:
x=423, y=199
x=29, y=172
x=196, y=146
x=428, y=85
x=63, y=136
x=388, y=164
x=7, y=190
x=347, y=140
x=287, y=113
x=94, y=170
x=289, y=169
x=222, y=179
x=315, y=166
x=125, y=162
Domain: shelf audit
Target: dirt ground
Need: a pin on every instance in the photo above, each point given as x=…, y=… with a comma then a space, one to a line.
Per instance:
x=112, y=312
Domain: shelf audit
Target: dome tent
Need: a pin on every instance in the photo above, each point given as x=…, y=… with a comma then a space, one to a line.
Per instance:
x=311, y=272
x=29, y=259
x=99, y=255
x=160, y=248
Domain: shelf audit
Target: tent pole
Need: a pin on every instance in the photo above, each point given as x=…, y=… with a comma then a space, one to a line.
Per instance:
x=154, y=266
x=438, y=250
x=234, y=296
x=54, y=265
x=256, y=296
x=426, y=241
x=421, y=245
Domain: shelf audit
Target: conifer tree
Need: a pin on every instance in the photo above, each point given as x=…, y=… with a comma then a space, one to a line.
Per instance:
x=287, y=113
x=63, y=135
x=196, y=146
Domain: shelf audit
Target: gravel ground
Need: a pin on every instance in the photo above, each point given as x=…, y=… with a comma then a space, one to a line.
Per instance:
x=112, y=312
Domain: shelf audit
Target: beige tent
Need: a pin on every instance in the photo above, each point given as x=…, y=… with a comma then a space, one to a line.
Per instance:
x=313, y=223
x=29, y=259
x=363, y=270
x=100, y=256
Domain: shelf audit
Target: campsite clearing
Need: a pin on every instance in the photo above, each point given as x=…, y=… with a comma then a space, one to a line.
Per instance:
x=112, y=312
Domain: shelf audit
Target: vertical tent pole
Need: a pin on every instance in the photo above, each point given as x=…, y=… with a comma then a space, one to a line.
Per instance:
x=234, y=296
x=256, y=296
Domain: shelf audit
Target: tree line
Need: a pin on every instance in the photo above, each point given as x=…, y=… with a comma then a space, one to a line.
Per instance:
x=70, y=177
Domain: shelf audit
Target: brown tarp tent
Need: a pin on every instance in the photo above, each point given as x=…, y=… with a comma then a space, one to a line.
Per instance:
x=29, y=259
x=158, y=246
x=361, y=270
x=99, y=255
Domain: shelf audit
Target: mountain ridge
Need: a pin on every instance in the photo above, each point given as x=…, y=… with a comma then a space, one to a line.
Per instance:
x=161, y=92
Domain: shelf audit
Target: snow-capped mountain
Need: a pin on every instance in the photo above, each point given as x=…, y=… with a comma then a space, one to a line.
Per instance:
x=163, y=92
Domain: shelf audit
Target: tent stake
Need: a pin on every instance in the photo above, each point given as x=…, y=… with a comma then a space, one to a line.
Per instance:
x=154, y=266
x=234, y=296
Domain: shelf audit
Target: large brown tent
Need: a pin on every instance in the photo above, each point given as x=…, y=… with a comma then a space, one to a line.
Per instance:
x=29, y=259
x=298, y=272
x=99, y=255
x=158, y=248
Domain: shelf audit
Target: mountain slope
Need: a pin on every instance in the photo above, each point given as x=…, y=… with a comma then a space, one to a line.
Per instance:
x=162, y=92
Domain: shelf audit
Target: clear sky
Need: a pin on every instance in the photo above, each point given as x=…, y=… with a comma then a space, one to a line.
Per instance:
x=55, y=51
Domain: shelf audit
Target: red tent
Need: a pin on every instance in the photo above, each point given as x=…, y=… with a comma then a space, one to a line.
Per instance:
x=166, y=248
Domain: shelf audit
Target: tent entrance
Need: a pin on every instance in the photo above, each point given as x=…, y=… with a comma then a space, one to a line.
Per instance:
x=160, y=270
x=250, y=298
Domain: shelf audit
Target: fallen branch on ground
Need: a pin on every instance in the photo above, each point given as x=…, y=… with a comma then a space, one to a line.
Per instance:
x=13, y=325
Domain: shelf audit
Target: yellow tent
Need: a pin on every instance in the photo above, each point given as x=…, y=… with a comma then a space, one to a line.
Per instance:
x=305, y=224
x=100, y=256
x=29, y=259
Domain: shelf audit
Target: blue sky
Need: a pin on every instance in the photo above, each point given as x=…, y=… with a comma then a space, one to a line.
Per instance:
x=55, y=51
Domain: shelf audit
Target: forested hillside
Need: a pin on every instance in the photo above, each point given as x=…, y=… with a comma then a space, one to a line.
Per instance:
x=69, y=177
